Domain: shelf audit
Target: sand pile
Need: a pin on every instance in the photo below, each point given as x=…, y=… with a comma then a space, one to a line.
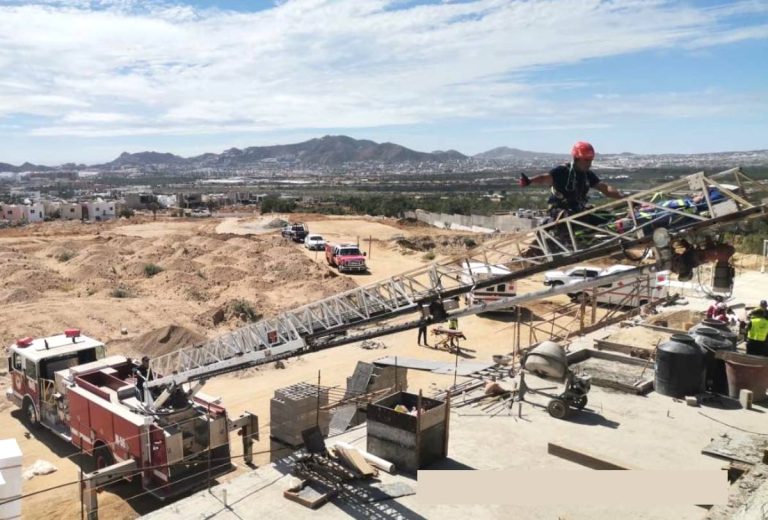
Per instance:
x=166, y=339
x=18, y=295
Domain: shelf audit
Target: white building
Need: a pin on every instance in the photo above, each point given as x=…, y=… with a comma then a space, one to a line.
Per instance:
x=96, y=211
x=70, y=211
x=34, y=212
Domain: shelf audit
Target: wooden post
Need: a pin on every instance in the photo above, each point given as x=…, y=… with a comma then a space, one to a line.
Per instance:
x=418, y=431
x=90, y=500
x=317, y=411
x=370, y=245
x=448, y=420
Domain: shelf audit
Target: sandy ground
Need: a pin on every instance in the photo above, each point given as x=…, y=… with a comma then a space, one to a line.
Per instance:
x=63, y=275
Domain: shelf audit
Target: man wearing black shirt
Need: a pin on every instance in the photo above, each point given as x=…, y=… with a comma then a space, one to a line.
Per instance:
x=570, y=183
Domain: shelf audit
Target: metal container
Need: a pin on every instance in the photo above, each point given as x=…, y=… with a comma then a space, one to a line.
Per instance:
x=747, y=376
x=712, y=340
x=547, y=360
x=680, y=368
x=724, y=328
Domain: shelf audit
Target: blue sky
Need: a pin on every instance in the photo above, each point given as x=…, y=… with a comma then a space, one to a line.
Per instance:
x=84, y=80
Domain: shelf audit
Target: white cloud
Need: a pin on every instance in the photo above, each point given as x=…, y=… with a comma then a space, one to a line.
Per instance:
x=134, y=67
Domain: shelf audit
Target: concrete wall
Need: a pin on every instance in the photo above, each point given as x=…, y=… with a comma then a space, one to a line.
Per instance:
x=506, y=223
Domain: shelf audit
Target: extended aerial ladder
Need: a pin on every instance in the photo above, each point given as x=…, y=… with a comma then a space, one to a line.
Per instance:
x=363, y=312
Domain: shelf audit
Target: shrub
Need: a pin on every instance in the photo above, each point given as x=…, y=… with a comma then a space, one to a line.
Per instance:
x=245, y=310
x=66, y=256
x=120, y=292
x=429, y=255
x=469, y=243
x=151, y=270
x=126, y=213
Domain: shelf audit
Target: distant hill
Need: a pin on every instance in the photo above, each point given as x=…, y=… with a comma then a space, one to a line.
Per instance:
x=336, y=150
x=325, y=151
x=26, y=167
x=504, y=153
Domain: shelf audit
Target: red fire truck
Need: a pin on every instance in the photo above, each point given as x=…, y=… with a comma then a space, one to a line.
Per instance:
x=67, y=384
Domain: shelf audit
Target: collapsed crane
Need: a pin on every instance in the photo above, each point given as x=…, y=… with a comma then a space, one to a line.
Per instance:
x=725, y=198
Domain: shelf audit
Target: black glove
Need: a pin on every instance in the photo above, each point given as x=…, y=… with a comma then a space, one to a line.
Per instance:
x=524, y=180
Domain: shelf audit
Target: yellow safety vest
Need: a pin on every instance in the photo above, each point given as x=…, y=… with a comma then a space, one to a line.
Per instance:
x=758, y=329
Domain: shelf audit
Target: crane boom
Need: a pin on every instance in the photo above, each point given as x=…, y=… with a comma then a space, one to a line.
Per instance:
x=567, y=241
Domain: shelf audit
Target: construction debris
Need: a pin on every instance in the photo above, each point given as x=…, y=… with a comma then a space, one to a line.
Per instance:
x=40, y=467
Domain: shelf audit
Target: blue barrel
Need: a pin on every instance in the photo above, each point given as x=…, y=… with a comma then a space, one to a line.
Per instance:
x=680, y=368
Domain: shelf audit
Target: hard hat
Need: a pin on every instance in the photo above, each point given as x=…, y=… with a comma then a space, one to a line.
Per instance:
x=145, y=358
x=583, y=150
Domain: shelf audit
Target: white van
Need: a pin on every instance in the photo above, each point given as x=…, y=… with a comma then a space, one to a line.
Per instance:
x=630, y=292
x=478, y=271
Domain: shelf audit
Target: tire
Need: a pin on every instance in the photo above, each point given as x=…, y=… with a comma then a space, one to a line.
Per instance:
x=102, y=457
x=580, y=402
x=558, y=408
x=30, y=413
x=556, y=283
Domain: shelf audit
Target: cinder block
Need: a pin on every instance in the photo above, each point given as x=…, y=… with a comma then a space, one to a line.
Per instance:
x=745, y=398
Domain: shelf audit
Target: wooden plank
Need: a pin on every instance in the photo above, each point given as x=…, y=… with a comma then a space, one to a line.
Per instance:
x=584, y=458
x=353, y=459
x=738, y=446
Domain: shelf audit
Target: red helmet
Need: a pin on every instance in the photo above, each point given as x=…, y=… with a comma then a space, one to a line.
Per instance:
x=583, y=150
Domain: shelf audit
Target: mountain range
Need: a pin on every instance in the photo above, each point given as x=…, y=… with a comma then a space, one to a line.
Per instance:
x=333, y=151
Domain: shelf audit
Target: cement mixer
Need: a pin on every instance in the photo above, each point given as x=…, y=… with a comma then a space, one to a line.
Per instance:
x=548, y=361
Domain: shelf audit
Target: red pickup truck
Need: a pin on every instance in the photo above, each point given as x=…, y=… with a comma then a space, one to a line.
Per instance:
x=345, y=257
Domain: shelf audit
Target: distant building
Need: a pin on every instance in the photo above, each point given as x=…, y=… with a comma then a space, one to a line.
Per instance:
x=70, y=211
x=14, y=213
x=96, y=211
x=139, y=200
x=34, y=212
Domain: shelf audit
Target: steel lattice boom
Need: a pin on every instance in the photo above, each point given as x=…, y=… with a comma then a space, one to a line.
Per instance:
x=568, y=240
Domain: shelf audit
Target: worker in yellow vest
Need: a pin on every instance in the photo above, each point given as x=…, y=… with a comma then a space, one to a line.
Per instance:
x=757, y=333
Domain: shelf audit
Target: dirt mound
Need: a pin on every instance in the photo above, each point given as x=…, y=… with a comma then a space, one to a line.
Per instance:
x=166, y=339
x=276, y=223
x=445, y=244
x=18, y=295
x=233, y=312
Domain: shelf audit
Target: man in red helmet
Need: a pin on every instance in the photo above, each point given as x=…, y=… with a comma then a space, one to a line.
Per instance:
x=570, y=183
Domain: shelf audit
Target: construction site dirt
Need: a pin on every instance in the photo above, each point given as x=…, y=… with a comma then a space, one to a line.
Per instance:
x=216, y=275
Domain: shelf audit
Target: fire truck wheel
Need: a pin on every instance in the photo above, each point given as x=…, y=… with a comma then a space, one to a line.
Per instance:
x=30, y=414
x=102, y=457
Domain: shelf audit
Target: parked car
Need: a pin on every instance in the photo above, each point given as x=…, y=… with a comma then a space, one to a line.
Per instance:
x=314, y=242
x=574, y=274
x=630, y=292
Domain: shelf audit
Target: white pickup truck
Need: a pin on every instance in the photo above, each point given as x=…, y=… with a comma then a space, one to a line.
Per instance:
x=631, y=292
x=574, y=274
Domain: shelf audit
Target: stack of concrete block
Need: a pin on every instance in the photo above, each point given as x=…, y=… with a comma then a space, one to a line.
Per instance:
x=294, y=409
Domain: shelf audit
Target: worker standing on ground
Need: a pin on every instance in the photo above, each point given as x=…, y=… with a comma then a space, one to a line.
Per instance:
x=757, y=333
x=762, y=309
x=423, y=332
x=570, y=184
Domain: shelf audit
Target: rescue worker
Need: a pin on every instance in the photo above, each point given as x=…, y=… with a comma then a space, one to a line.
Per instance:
x=763, y=308
x=570, y=184
x=142, y=373
x=757, y=333
x=423, y=333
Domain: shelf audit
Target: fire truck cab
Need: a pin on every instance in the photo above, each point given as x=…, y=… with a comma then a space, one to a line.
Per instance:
x=32, y=365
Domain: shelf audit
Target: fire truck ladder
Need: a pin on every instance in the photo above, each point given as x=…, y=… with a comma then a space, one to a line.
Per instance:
x=569, y=240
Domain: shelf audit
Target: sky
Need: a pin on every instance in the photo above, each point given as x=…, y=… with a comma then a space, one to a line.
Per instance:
x=83, y=80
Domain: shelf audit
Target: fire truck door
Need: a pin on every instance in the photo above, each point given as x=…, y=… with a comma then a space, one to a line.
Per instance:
x=30, y=379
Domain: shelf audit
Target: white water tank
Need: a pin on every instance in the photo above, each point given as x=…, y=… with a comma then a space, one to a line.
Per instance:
x=10, y=479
